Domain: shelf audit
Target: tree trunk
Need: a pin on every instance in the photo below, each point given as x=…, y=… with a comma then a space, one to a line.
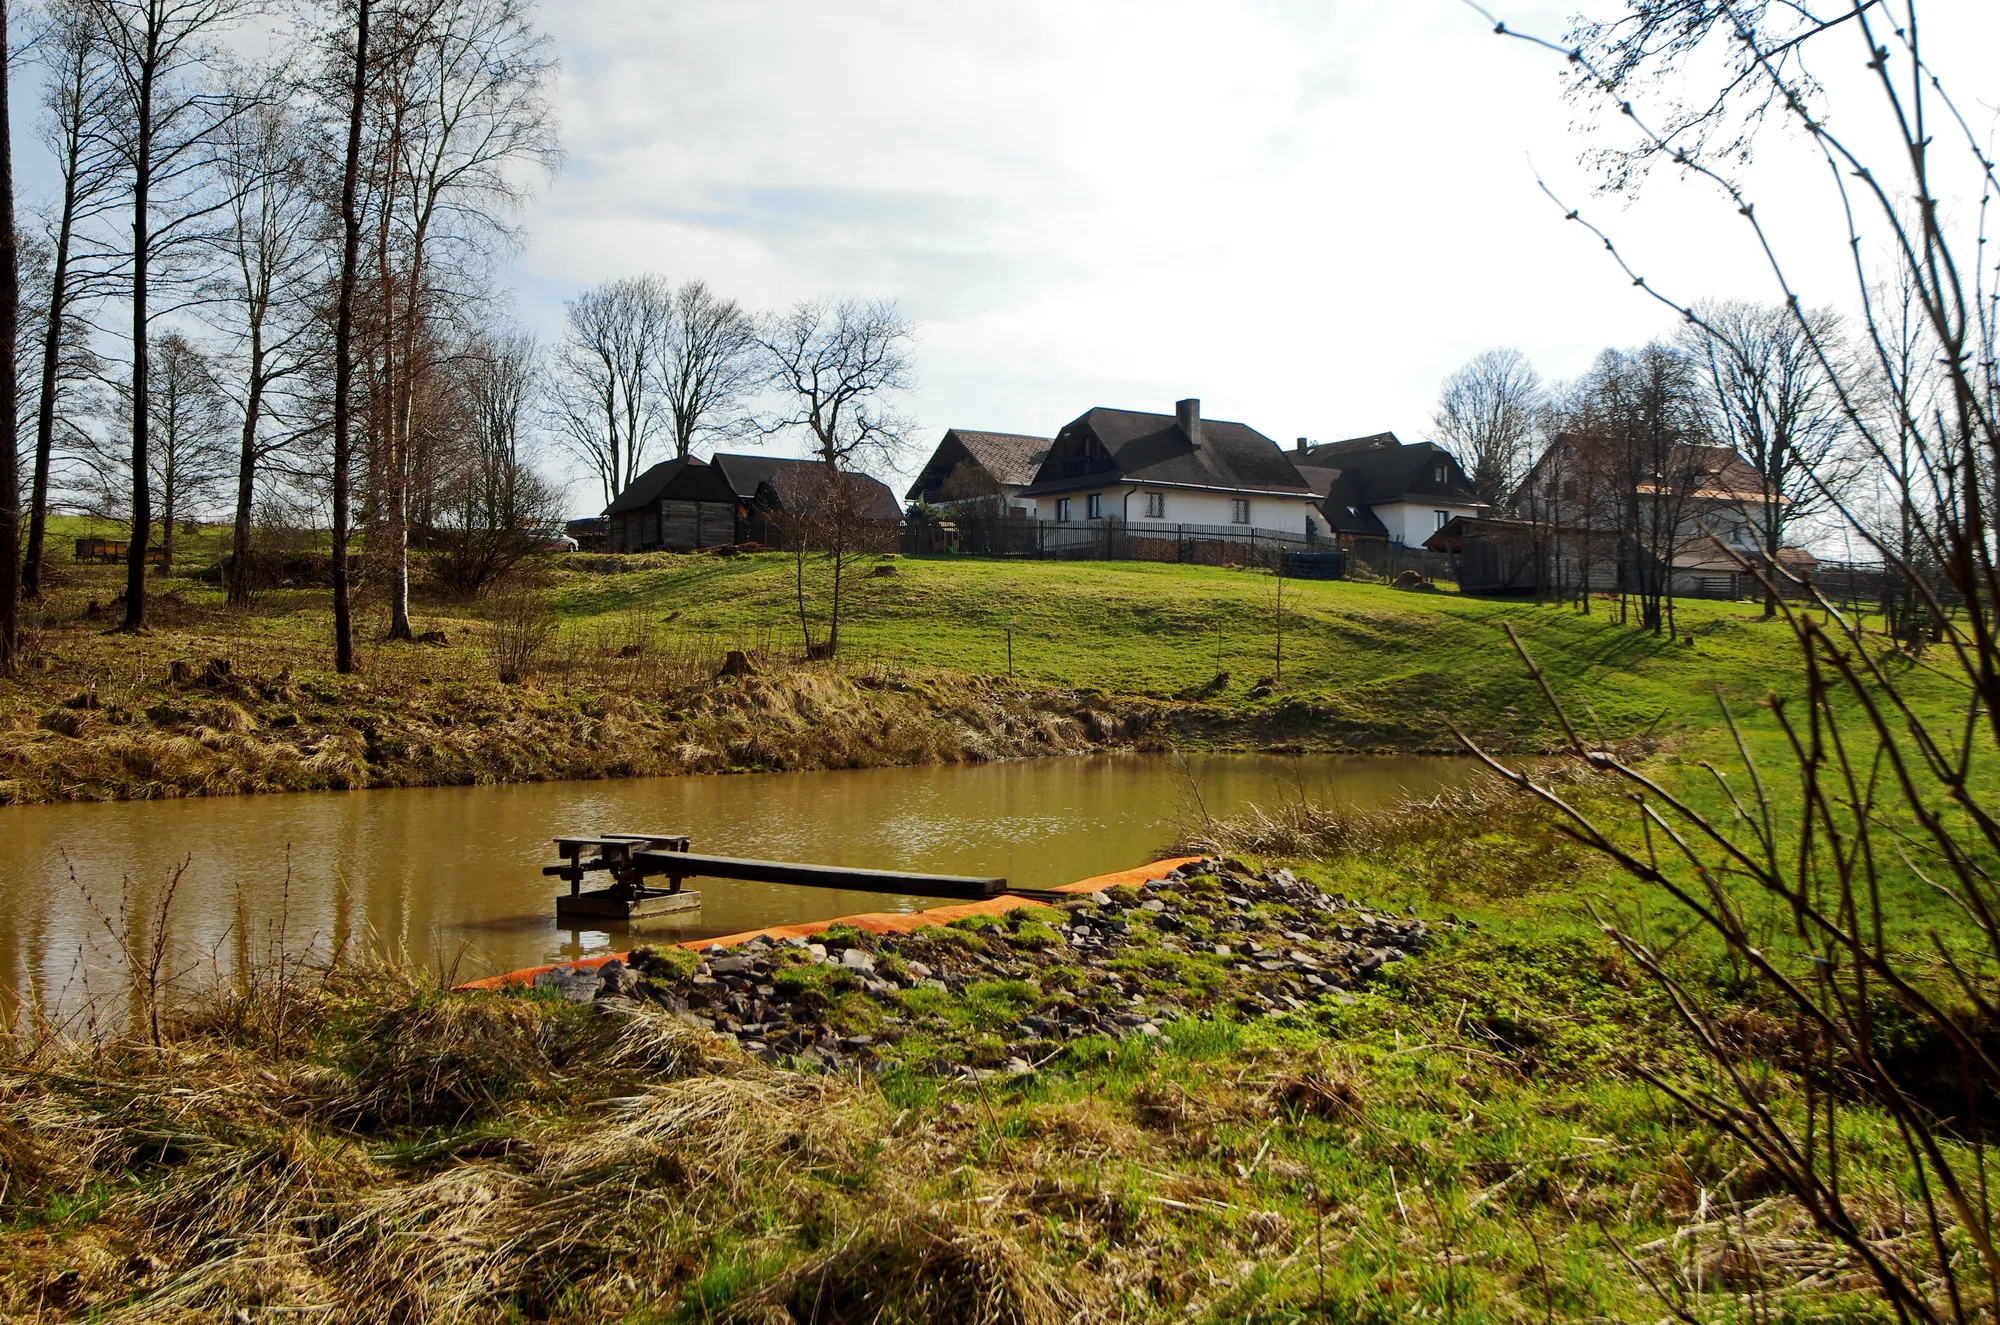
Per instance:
x=45, y=406
x=343, y=345
x=10, y=451
x=246, y=475
x=142, y=497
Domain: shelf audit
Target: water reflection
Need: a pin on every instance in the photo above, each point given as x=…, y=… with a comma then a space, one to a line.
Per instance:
x=451, y=877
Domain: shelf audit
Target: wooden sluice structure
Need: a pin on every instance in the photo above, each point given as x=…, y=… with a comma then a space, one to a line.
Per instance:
x=634, y=860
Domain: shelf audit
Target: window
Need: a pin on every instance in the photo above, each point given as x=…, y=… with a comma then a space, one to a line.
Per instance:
x=1093, y=506
x=1437, y=474
x=1156, y=506
x=1239, y=510
x=1443, y=518
x=1062, y=508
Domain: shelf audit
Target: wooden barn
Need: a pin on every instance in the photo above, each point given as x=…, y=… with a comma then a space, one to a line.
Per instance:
x=676, y=506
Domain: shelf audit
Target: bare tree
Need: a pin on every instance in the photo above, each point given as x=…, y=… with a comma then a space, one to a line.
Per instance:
x=496, y=509
x=355, y=78
x=75, y=100
x=10, y=457
x=189, y=430
x=460, y=91
x=1486, y=417
x=166, y=110
x=274, y=268
x=706, y=364
x=1769, y=397
x=840, y=368
x=602, y=391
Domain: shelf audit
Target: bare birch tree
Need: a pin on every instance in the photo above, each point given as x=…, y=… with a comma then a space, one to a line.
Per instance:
x=166, y=110
x=355, y=83
x=1486, y=416
x=460, y=97
x=75, y=99
x=274, y=268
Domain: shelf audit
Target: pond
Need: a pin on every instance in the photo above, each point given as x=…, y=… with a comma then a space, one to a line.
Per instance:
x=450, y=877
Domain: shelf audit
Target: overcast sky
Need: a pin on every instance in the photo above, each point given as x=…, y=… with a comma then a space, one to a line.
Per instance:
x=1306, y=214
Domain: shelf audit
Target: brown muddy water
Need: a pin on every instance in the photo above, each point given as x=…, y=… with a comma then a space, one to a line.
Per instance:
x=450, y=877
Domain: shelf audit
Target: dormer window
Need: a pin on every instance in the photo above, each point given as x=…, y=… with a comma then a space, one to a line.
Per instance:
x=1437, y=474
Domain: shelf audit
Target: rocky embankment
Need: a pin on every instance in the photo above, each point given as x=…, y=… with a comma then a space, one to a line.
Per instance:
x=1002, y=992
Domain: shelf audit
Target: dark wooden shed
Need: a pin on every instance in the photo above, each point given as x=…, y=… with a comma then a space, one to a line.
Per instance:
x=676, y=506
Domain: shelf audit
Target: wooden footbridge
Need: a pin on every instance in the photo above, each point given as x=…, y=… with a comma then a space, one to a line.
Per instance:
x=634, y=861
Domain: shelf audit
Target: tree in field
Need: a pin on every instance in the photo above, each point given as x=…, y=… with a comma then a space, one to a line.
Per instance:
x=1768, y=395
x=190, y=430
x=273, y=269
x=603, y=400
x=705, y=365
x=76, y=105
x=839, y=369
x=1486, y=416
x=165, y=111
x=458, y=107
x=495, y=509
x=352, y=45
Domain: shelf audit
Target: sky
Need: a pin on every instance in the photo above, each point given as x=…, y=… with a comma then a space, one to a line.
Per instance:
x=1304, y=213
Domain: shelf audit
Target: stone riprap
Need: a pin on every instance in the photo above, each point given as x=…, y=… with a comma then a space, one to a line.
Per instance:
x=1001, y=992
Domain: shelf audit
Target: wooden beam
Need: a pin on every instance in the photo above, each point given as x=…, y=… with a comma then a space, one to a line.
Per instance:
x=689, y=864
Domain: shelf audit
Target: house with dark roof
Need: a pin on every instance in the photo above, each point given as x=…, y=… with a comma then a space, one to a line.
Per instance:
x=769, y=485
x=676, y=506
x=1170, y=469
x=1379, y=487
x=981, y=472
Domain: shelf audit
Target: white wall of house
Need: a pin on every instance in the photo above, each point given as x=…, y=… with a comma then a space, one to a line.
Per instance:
x=1413, y=522
x=1286, y=514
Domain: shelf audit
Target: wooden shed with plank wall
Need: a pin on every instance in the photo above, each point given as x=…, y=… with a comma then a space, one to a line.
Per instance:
x=676, y=506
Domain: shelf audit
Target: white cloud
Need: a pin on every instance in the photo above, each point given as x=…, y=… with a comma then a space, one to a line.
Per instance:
x=1306, y=215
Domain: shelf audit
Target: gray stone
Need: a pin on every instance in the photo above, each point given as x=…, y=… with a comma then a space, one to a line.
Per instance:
x=729, y=966
x=857, y=959
x=1155, y=906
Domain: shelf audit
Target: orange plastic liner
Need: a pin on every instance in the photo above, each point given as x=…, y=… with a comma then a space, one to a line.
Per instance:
x=872, y=922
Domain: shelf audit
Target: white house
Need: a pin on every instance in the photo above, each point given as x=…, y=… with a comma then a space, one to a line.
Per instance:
x=1376, y=487
x=1171, y=469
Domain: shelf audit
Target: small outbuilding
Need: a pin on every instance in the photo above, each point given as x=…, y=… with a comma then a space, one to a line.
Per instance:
x=676, y=506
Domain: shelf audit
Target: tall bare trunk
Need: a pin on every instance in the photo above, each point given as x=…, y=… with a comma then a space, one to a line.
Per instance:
x=246, y=472
x=10, y=451
x=343, y=344
x=142, y=497
x=45, y=404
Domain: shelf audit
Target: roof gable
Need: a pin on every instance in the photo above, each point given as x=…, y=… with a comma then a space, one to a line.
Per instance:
x=672, y=480
x=1380, y=469
x=1008, y=459
x=1120, y=445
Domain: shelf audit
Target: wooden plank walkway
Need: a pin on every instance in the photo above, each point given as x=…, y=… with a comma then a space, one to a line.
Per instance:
x=689, y=864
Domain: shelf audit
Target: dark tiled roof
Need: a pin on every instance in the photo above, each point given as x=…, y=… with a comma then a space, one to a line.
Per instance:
x=752, y=475
x=1379, y=469
x=1343, y=504
x=678, y=480
x=1007, y=457
x=1151, y=448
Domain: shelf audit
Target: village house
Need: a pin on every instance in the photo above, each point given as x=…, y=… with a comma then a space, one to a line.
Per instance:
x=768, y=485
x=981, y=474
x=1378, y=487
x=1170, y=469
x=676, y=506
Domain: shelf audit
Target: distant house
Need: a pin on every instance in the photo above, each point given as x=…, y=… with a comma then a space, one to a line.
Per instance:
x=1379, y=487
x=592, y=533
x=767, y=486
x=676, y=506
x=981, y=472
x=1170, y=469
